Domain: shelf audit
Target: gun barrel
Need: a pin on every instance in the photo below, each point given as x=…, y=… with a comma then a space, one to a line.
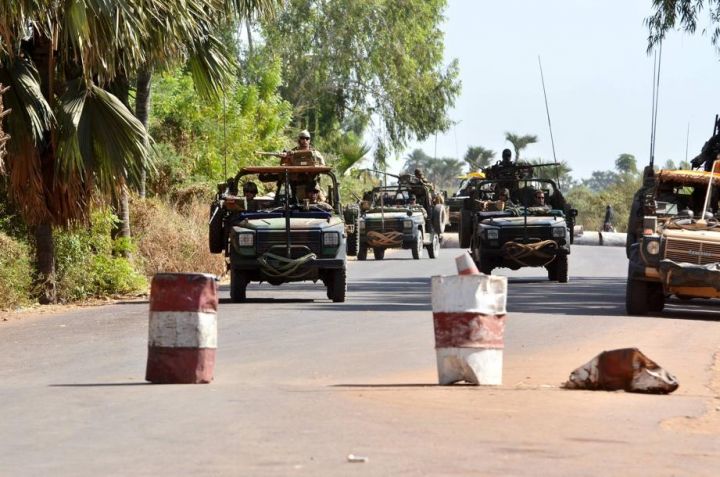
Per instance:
x=269, y=153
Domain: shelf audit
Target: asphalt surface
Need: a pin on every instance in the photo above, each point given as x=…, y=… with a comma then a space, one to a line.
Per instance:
x=301, y=383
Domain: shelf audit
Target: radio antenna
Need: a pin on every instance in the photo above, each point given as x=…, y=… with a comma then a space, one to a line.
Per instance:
x=655, y=100
x=547, y=111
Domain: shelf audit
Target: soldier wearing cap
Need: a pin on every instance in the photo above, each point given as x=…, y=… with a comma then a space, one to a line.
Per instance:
x=315, y=199
x=503, y=195
x=303, y=146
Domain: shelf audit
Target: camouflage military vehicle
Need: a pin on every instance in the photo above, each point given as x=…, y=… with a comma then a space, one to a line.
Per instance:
x=673, y=242
x=518, y=234
x=281, y=238
x=455, y=202
x=389, y=219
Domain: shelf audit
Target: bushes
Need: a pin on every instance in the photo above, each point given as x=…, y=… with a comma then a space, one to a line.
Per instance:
x=89, y=262
x=15, y=273
x=173, y=240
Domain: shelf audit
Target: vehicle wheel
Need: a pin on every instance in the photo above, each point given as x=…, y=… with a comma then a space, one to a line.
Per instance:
x=465, y=233
x=418, y=246
x=655, y=297
x=438, y=218
x=238, y=284
x=632, y=226
x=434, y=248
x=353, y=240
x=362, y=252
x=379, y=253
x=484, y=267
x=337, y=286
x=561, y=268
x=636, y=297
x=215, y=233
x=551, y=271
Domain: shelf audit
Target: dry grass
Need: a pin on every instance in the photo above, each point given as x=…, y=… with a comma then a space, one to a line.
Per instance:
x=173, y=239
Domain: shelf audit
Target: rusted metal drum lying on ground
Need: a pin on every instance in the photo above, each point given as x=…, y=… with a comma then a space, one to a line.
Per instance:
x=469, y=320
x=183, y=328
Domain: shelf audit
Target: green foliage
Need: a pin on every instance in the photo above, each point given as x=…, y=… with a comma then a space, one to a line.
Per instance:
x=519, y=142
x=15, y=272
x=379, y=59
x=441, y=172
x=194, y=137
x=683, y=14
x=591, y=204
x=89, y=264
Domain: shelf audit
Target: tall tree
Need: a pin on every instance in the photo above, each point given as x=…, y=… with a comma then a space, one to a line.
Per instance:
x=683, y=14
x=71, y=135
x=626, y=164
x=3, y=137
x=380, y=60
x=519, y=142
x=417, y=159
x=478, y=157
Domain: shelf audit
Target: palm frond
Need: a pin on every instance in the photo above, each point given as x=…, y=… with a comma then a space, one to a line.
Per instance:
x=211, y=66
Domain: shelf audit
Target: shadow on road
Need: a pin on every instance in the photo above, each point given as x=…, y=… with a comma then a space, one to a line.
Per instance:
x=97, y=385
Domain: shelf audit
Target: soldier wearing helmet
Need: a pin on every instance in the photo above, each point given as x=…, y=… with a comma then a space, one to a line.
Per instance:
x=250, y=190
x=506, y=157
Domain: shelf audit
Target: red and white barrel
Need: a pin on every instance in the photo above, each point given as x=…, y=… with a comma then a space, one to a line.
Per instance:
x=469, y=319
x=183, y=328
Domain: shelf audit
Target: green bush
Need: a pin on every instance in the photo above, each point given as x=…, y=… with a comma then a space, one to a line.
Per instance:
x=89, y=262
x=15, y=273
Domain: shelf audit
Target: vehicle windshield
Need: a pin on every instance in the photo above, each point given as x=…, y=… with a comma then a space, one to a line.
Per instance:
x=271, y=193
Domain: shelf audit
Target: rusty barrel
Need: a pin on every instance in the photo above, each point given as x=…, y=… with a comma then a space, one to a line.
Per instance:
x=183, y=328
x=469, y=321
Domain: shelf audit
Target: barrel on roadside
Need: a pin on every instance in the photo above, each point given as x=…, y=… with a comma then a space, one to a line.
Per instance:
x=469, y=321
x=182, y=329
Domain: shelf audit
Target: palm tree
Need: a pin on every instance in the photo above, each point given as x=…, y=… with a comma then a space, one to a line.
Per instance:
x=519, y=142
x=71, y=135
x=478, y=157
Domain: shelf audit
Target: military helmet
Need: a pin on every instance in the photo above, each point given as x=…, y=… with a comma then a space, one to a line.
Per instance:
x=304, y=134
x=506, y=154
x=250, y=187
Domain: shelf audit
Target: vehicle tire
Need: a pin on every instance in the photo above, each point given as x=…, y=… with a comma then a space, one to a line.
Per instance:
x=438, y=218
x=484, y=267
x=636, y=297
x=418, y=246
x=561, y=268
x=551, y=271
x=238, y=285
x=338, y=285
x=362, y=252
x=434, y=247
x=655, y=297
x=215, y=234
x=465, y=232
x=632, y=226
x=379, y=253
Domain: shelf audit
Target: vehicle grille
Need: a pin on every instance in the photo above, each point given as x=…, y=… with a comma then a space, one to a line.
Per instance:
x=517, y=234
x=699, y=253
x=390, y=225
x=312, y=239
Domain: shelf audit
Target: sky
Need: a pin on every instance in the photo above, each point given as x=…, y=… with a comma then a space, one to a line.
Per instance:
x=598, y=78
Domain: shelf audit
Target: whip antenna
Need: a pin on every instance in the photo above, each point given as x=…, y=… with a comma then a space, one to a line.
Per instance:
x=656, y=96
x=547, y=111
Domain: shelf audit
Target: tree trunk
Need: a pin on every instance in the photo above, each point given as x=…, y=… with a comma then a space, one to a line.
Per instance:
x=123, y=209
x=120, y=87
x=45, y=264
x=142, y=111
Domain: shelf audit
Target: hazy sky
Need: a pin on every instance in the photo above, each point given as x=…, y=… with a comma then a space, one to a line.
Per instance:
x=598, y=78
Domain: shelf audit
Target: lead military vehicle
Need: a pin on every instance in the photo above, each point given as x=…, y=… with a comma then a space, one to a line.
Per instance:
x=673, y=242
x=390, y=219
x=283, y=237
x=517, y=233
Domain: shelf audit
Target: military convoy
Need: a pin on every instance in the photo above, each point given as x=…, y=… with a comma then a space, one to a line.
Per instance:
x=456, y=201
x=404, y=216
x=673, y=240
x=283, y=237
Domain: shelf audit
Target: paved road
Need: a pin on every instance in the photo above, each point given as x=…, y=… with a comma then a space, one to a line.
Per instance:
x=302, y=382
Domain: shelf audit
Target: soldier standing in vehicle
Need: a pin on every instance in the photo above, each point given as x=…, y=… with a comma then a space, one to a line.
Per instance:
x=506, y=157
x=303, y=146
x=250, y=190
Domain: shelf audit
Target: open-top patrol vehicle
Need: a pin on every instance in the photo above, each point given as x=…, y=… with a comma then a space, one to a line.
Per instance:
x=517, y=234
x=388, y=219
x=673, y=240
x=457, y=199
x=281, y=238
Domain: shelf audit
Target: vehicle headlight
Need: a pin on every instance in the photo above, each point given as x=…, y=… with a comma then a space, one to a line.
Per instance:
x=558, y=232
x=492, y=234
x=331, y=239
x=246, y=239
x=407, y=224
x=652, y=247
